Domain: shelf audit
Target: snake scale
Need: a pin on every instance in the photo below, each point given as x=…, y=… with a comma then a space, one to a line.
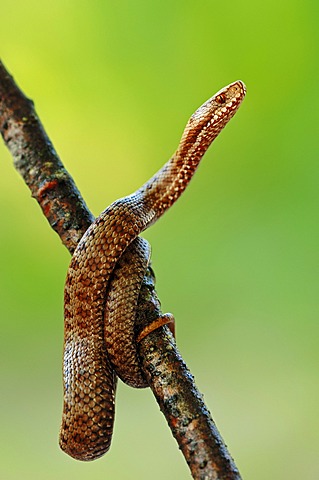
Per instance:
x=103, y=283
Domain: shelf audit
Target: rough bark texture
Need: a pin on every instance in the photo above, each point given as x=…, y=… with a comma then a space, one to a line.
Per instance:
x=185, y=411
x=38, y=163
x=171, y=382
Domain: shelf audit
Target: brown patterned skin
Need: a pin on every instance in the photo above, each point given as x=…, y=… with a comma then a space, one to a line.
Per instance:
x=103, y=283
x=120, y=310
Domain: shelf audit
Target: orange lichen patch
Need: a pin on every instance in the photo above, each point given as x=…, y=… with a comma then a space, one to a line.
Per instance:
x=174, y=422
x=46, y=187
x=46, y=209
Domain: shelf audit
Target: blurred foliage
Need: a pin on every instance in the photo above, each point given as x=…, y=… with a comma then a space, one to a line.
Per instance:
x=236, y=259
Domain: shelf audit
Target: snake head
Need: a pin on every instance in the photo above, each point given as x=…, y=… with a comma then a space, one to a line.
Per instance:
x=220, y=106
x=209, y=119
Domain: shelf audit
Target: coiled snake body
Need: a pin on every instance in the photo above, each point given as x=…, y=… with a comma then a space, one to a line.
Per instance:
x=103, y=283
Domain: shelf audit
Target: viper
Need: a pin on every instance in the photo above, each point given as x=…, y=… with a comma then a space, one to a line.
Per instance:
x=103, y=283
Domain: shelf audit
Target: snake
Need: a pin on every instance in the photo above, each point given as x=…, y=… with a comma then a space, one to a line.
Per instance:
x=103, y=283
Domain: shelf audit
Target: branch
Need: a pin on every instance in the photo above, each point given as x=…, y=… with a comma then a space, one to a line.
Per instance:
x=38, y=163
x=171, y=382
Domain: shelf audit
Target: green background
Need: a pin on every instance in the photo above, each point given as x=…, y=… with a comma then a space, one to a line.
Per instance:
x=236, y=259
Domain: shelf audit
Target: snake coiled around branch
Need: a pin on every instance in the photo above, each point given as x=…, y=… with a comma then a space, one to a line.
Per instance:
x=103, y=283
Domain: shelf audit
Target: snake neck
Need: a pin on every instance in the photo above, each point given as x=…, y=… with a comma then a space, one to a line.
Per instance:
x=165, y=187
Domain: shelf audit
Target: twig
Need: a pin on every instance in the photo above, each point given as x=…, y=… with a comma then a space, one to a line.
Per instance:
x=173, y=386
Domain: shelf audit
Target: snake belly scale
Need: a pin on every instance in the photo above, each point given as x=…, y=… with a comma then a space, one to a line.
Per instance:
x=103, y=282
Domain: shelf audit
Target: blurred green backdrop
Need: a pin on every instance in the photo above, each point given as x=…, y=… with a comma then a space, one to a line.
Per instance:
x=236, y=259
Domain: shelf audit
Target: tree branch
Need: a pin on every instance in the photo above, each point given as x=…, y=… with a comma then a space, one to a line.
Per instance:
x=38, y=163
x=171, y=382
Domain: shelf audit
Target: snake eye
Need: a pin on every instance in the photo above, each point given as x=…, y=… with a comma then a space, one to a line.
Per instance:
x=221, y=98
